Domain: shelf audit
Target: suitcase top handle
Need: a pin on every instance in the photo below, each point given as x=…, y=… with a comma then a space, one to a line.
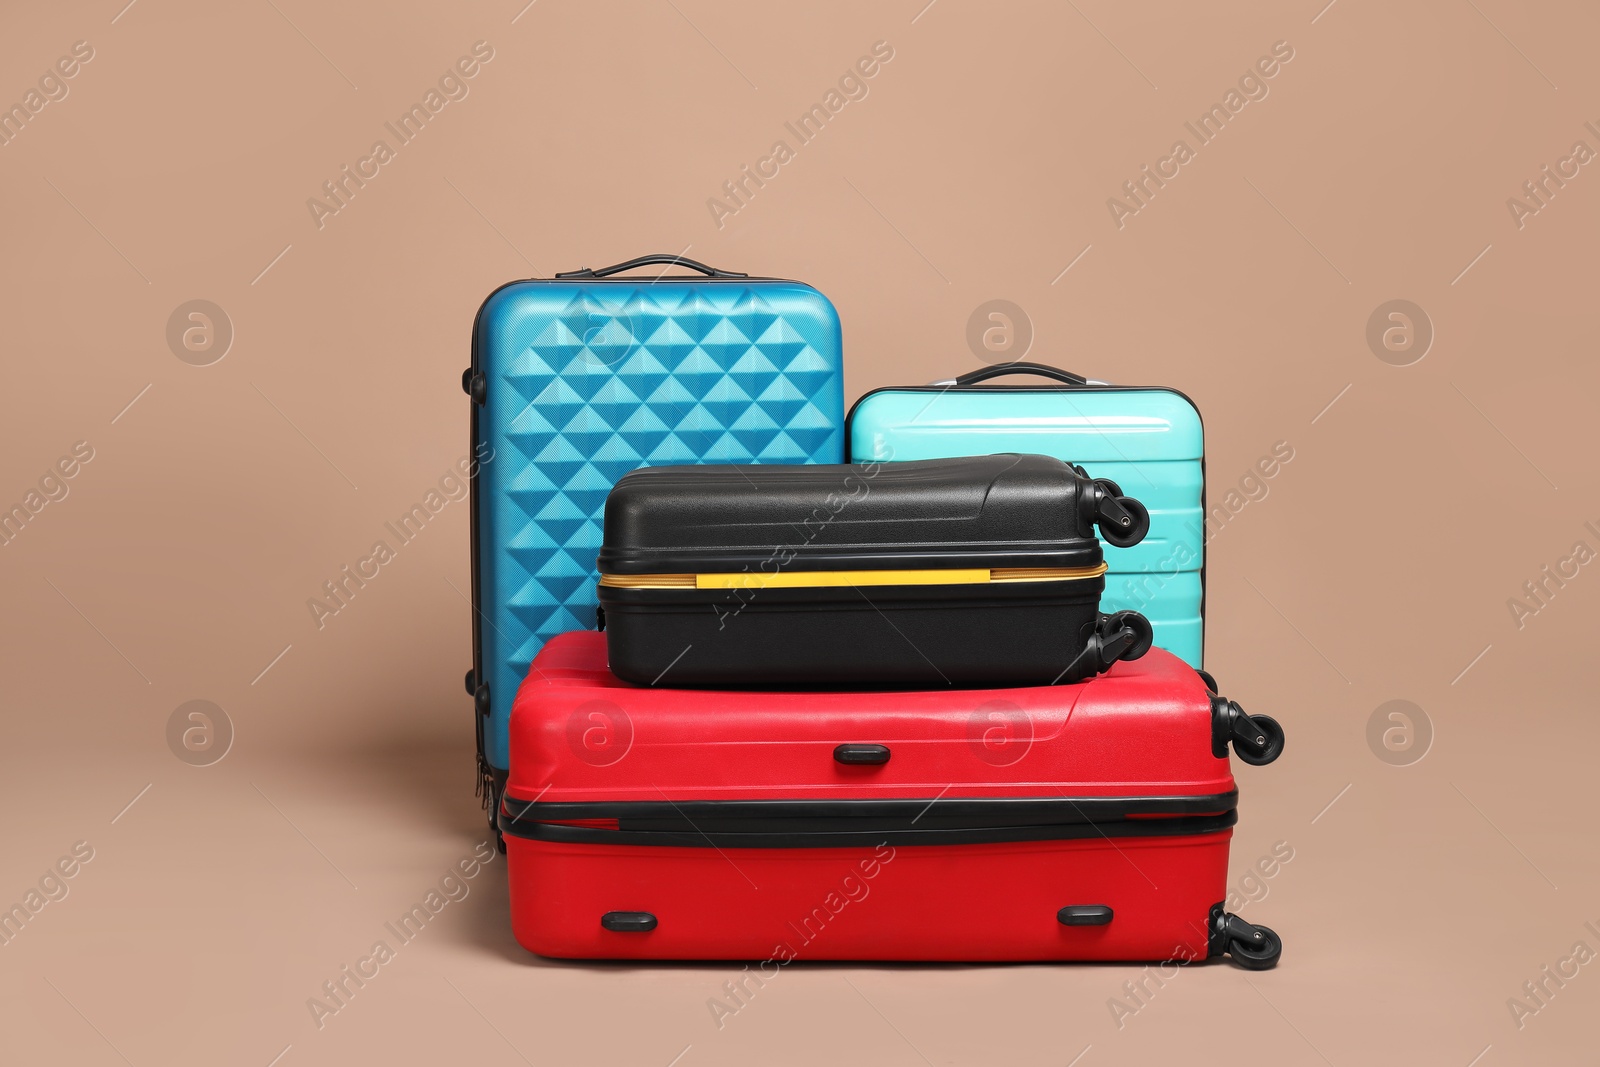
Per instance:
x=658, y=259
x=998, y=370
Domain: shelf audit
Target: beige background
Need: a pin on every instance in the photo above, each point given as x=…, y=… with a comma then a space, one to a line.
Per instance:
x=978, y=167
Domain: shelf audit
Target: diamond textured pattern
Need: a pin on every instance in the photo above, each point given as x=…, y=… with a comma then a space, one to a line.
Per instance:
x=589, y=380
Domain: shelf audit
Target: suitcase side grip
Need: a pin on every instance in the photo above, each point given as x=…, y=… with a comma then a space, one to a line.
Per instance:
x=862, y=755
x=1084, y=915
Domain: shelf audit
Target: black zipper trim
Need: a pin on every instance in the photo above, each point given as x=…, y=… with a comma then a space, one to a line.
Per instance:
x=840, y=823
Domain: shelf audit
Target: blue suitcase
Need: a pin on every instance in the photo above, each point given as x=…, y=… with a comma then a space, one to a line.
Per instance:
x=577, y=380
x=1148, y=440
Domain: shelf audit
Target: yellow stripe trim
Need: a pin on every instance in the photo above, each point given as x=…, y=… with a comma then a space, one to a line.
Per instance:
x=814, y=579
x=824, y=579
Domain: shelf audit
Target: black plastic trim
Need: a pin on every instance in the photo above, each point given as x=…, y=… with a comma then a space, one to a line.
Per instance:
x=862, y=755
x=628, y=922
x=1181, y=826
x=838, y=823
x=935, y=811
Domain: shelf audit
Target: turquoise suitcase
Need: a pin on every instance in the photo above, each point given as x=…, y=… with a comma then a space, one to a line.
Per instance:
x=1147, y=439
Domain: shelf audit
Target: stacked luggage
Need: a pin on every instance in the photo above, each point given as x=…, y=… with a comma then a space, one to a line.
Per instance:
x=774, y=706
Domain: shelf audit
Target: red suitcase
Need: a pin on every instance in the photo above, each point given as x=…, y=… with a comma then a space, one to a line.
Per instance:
x=1076, y=822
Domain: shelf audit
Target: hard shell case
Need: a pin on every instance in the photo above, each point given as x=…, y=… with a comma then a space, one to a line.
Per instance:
x=577, y=380
x=971, y=571
x=1082, y=822
x=1147, y=439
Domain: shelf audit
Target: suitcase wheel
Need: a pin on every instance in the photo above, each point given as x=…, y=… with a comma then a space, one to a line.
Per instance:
x=1119, y=635
x=1135, y=626
x=1262, y=753
x=1205, y=676
x=1123, y=520
x=491, y=803
x=1112, y=487
x=1252, y=946
x=1122, y=635
x=1129, y=533
x=1257, y=739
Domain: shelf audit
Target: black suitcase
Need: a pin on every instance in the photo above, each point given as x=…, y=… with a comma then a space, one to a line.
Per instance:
x=981, y=570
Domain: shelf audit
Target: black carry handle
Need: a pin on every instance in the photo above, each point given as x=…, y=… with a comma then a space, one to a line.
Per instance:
x=658, y=259
x=1000, y=370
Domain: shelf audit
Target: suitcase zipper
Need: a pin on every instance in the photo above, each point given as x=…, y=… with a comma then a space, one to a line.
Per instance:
x=846, y=823
x=823, y=579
